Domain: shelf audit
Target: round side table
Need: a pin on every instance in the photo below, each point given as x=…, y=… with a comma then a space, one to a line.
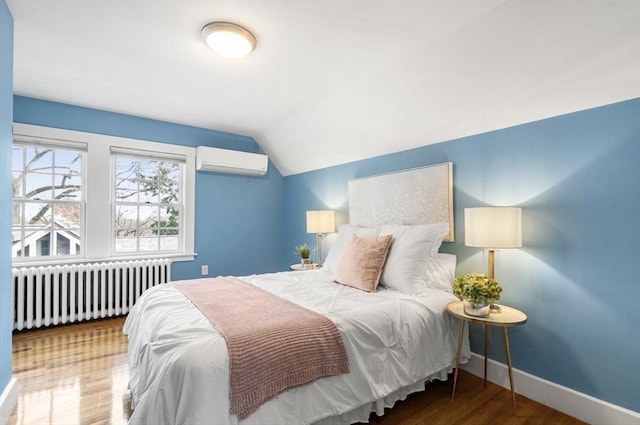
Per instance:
x=505, y=318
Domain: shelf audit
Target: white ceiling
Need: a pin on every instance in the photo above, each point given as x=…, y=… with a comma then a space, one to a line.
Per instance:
x=333, y=81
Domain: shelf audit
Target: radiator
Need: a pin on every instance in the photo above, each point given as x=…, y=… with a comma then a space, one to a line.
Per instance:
x=52, y=295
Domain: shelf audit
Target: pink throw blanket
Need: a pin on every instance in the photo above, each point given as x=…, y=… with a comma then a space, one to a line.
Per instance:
x=273, y=344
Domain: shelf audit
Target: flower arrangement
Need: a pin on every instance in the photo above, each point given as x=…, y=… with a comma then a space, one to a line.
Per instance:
x=477, y=288
x=303, y=251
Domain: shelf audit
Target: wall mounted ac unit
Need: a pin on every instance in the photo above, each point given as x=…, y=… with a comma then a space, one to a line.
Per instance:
x=230, y=161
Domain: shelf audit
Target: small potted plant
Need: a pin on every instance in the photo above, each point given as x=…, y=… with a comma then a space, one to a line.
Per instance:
x=304, y=252
x=477, y=293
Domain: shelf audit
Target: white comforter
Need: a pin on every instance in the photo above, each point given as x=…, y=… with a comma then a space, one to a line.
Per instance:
x=395, y=342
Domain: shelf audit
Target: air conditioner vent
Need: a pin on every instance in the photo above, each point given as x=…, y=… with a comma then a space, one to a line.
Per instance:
x=230, y=161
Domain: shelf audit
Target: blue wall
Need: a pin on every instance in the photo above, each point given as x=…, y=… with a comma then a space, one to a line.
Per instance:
x=577, y=178
x=6, y=113
x=238, y=218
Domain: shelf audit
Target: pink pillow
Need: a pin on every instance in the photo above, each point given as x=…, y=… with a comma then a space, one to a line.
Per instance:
x=361, y=262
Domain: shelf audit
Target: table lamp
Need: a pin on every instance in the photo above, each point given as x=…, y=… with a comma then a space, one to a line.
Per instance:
x=493, y=228
x=320, y=222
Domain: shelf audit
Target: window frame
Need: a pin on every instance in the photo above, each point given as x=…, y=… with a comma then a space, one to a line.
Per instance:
x=99, y=185
x=81, y=149
x=154, y=156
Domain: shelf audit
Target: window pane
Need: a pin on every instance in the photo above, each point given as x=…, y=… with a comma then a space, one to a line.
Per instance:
x=17, y=226
x=148, y=169
x=169, y=191
x=67, y=216
x=149, y=243
x=126, y=243
x=169, y=217
x=148, y=217
x=16, y=246
x=126, y=229
x=39, y=186
x=171, y=170
x=126, y=217
x=148, y=192
x=37, y=214
x=68, y=162
x=126, y=168
x=16, y=216
x=66, y=187
x=151, y=181
x=17, y=158
x=169, y=243
x=126, y=191
x=38, y=158
x=18, y=191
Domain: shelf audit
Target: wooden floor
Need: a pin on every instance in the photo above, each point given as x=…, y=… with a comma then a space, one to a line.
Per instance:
x=78, y=375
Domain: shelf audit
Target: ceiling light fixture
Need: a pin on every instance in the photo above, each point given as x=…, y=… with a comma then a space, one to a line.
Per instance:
x=228, y=40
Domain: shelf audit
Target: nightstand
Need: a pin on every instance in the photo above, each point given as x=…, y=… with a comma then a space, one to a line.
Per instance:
x=505, y=318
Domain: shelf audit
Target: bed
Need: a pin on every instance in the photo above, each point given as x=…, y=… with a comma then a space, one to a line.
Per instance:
x=397, y=337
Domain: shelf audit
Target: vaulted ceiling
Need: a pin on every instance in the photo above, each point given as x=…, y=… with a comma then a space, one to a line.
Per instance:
x=333, y=81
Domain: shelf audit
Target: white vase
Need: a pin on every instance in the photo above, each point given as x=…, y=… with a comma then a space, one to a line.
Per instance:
x=476, y=309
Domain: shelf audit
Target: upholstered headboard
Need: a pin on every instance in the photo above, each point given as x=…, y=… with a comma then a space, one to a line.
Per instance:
x=417, y=196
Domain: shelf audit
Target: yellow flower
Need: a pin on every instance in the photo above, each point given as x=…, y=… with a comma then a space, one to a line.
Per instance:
x=477, y=288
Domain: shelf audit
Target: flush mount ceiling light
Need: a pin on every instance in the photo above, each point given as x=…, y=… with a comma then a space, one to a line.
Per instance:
x=228, y=40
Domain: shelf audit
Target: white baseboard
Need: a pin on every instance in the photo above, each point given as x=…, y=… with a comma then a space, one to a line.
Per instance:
x=573, y=403
x=8, y=400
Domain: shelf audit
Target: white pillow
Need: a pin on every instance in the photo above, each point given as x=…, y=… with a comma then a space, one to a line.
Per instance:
x=345, y=231
x=406, y=266
x=441, y=271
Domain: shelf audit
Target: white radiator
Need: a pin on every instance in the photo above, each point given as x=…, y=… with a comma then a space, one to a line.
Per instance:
x=52, y=295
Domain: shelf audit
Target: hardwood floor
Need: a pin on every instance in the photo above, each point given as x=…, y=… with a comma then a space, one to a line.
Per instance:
x=78, y=375
x=74, y=374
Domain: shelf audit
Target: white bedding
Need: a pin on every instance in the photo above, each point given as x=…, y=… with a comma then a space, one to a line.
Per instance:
x=395, y=342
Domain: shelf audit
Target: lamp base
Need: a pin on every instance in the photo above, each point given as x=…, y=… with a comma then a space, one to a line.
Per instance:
x=319, y=247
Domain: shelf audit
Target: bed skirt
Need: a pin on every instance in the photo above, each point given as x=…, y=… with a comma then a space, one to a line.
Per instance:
x=362, y=413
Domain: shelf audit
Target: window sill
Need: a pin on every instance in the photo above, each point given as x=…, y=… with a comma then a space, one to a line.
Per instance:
x=59, y=262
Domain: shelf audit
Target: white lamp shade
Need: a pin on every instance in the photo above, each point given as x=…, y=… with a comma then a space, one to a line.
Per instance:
x=493, y=227
x=323, y=221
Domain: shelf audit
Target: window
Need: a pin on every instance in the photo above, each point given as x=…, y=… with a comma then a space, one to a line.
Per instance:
x=90, y=197
x=147, y=208
x=48, y=204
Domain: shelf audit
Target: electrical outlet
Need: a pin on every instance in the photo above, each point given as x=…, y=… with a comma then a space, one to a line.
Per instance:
x=205, y=270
